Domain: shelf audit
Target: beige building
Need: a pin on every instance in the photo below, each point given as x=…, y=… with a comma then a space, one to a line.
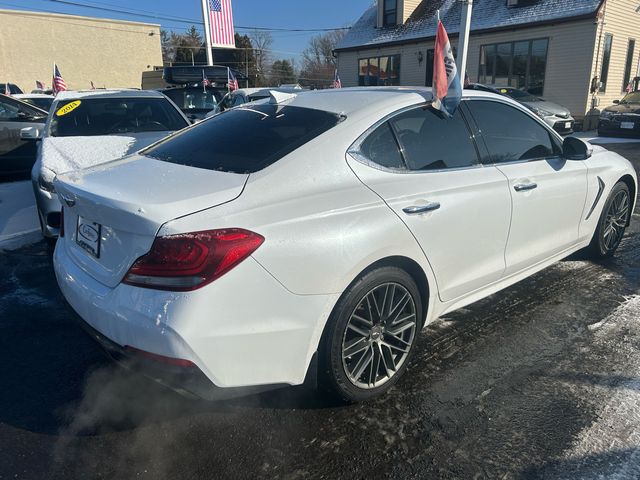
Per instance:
x=109, y=53
x=578, y=53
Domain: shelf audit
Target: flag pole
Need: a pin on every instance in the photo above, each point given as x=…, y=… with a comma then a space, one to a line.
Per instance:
x=463, y=40
x=207, y=31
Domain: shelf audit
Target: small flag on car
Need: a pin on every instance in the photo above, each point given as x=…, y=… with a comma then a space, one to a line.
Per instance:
x=40, y=85
x=336, y=81
x=58, y=82
x=447, y=91
x=93, y=87
x=205, y=82
x=232, y=81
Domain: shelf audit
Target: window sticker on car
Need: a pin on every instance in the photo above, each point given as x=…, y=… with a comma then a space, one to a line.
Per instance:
x=69, y=107
x=503, y=90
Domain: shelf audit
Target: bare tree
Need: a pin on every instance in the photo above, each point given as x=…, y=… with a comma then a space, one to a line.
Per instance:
x=318, y=62
x=262, y=42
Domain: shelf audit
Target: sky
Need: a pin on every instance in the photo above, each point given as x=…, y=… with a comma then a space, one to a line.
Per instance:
x=301, y=14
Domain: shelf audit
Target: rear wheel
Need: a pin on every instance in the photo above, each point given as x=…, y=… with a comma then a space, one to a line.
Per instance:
x=371, y=335
x=612, y=223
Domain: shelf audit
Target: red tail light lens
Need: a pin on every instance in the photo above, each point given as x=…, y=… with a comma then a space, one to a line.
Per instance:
x=191, y=260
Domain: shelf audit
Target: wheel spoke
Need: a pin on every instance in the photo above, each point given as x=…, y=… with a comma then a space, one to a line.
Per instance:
x=401, y=326
x=362, y=364
x=375, y=366
x=355, y=346
x=395, y=347
x=357, y=317
x=358, y=330
x=398, y=308
x=388, y=371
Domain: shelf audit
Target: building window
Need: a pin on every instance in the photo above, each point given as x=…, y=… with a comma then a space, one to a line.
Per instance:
x=389, y=13
x=379, y=71
x=606, y=59
x=430, y=58
x=517, y=64
x=629, y=64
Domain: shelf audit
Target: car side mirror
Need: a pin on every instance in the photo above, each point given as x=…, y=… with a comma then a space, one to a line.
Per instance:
x=617, y=102
x=32, y=134
x=576, y=149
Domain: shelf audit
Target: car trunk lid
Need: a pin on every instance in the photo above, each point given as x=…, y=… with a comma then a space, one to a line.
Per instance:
x=127, y=201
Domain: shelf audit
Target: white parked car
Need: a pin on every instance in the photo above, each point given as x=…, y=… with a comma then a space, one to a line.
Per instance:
x=86, y=128
x=321, y=233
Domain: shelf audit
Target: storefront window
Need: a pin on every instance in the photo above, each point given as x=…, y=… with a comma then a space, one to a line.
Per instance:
x=516, y=64
x=379, y=71
x=606, y=59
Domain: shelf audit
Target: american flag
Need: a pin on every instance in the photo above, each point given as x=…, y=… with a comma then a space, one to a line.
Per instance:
x=337, y=83
x=58, y=81
x=232, y=81
x=205, y=82
x=221, y=22
x=93, y=87
x=40, y=85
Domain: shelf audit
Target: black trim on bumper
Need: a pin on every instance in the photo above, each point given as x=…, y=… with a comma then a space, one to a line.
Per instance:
x=188, y=381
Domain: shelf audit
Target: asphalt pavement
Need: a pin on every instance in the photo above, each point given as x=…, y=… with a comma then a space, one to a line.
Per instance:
x=541, y=380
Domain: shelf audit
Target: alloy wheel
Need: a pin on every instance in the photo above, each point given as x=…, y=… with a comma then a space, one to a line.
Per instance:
x=616, y=220
x=379, y=335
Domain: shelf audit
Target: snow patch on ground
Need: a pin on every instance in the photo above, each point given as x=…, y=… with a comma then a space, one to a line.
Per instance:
x=614, y=436
x=18, y=215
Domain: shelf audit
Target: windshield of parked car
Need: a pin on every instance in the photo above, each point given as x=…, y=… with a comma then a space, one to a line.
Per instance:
x=520, y=95
x=193, y=99
x=111, y=116
x=244, y=139
x=633, y=97
x=40, y=102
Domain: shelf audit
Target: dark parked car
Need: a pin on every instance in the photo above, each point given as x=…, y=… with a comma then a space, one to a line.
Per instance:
x=13, y=88
x=194, y=101
x=623, y=118
x=17, y=156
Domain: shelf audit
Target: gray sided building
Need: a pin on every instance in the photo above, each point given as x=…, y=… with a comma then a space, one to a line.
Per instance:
x=578, y=53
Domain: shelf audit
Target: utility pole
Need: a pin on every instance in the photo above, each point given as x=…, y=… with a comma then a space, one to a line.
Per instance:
x=207, y=31
x=463, y=40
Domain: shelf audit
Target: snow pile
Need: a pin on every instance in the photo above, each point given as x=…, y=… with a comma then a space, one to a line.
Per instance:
x=64, y=154
x=18, y=216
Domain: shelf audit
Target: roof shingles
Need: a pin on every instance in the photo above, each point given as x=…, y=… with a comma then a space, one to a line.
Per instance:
x=487, y=14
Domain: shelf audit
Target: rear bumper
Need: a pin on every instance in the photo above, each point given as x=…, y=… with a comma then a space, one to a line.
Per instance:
x=244, y=332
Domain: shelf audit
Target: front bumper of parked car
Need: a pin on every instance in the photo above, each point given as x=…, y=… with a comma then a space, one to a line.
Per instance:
x=619, y=125
x=561, y=124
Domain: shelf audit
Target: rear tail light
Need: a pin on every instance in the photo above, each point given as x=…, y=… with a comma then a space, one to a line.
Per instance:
x=191, y=260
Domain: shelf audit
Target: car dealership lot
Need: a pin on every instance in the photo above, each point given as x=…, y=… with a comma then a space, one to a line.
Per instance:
x=538, y=380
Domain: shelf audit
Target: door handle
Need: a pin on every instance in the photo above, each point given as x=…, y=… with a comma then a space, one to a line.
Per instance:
x=418, y=209
x=523, y=187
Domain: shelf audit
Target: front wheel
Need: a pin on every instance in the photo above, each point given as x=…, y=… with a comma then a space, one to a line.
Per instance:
x=612, y=223
x=371, y=335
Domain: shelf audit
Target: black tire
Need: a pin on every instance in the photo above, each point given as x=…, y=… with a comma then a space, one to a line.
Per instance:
x=612, y=222
x=384, y=340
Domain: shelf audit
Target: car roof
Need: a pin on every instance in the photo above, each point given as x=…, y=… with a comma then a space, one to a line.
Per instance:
x=251, y=91
x=32, y=95
x=108, y=93
x=370, y=100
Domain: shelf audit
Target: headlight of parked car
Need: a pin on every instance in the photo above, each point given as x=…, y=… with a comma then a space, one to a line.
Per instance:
x=46, y=184
x=606, y=115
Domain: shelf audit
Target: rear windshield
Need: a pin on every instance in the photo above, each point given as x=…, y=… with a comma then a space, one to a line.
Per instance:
x=109, y=116
x=245, y=139
x=193, y=99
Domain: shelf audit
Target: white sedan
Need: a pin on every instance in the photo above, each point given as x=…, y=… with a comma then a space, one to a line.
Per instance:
x=319, y=232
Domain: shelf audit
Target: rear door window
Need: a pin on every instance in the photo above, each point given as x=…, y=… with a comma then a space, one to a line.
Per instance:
x=431, y=142
x=245, y=139
x=381, y=148
x=511, y=135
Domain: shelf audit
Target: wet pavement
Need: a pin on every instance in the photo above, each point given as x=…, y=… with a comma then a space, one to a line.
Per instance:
x=541, y=380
